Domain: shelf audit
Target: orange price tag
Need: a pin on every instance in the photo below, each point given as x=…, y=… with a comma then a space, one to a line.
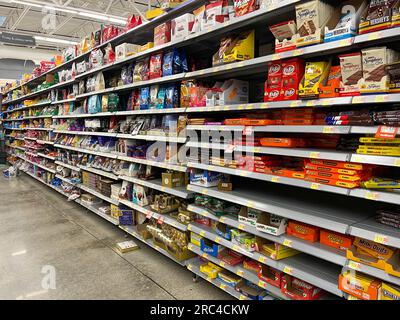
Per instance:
x=386, y=132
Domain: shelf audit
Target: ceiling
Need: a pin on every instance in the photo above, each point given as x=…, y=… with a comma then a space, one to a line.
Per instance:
x=38, y=21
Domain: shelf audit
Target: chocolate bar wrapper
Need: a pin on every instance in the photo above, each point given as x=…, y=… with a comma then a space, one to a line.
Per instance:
x=351, y=70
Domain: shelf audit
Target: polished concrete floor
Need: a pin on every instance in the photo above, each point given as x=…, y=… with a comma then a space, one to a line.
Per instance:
x=54, y=249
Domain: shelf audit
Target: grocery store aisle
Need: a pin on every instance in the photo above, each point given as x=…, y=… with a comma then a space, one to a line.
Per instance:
x=40, y=232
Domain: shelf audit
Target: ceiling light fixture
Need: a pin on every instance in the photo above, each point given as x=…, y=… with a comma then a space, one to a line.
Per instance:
x=55, y=40
x=78, y=11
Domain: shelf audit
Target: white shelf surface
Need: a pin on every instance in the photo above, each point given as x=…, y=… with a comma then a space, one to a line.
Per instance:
x=40, y=166
x=376, y=195
x=151, y=214
x=97, y=153
x=96, y=210
x=99, y=172
x=270, y=178
x=46, y=156
x=331, y=216
x=97, y=194
x=156, y=184
x=165, y=165
x=74, y=168
x=153, y=138
x=315, y=249
x=313, y=270
x=294, y=152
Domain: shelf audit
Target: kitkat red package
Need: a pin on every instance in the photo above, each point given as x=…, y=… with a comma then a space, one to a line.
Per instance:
x=292, y=73
x=274, y=82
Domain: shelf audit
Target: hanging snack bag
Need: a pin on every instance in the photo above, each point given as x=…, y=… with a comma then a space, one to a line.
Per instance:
x=96, y=59
x=170, y=97
x=156, y=70
x=144, y=98
x=161, y=98
x=104, y=103
x=153, y=96
x=127, y=74
x=167, y=64
x=113, y=102
x=94, y=105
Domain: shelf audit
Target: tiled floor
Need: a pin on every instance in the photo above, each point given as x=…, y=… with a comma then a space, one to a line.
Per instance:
x=54, y=249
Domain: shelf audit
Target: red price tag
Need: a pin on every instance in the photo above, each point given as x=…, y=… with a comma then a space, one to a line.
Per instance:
x=160, y=220
x=386, y=132
x=248, y=131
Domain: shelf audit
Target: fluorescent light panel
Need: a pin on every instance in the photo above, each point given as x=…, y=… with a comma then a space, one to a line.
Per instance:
x=54, y=40
x=88, y=14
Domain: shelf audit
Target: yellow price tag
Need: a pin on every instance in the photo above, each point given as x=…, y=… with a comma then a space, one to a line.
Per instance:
x=379, y=238
x=397, y=162
x=189, y=227
x=222, y=286
x=352, y=298
x=326, y=102
x=295, y=103
x=236, y=248
x=314, y=155
x=354, y=265
x=204, y=191
x=190, y=246
x=222, y=219
x=327, y=129
x=241, y=226
x=373, y=36
x=218, y=239
x=358, y=99
x=262, y=259
x=310, y=103
x=288, y=270
x=297, y=52
x=287, y=243
x=276, y=56
x=257, y=150
x=275, y=179
x=357, y=158
x=242, y=297
x=226, y=108
x=241, y=107
x=249, y=107
x=371, y=195
x=250, y=204
x=222, y=264
x=202, y=233
x=264, y=105
x=243, y=173
x=209, y=279
x=314, y=186
x=240, y=273
x=205, y=255
x=381, y=98
x=189, y=266
x=240, y=64
x=262, y=284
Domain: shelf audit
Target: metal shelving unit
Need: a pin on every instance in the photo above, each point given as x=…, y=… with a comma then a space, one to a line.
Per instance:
x=335, y=217
x=161, y=218
x=313, y=270
x=156, y=184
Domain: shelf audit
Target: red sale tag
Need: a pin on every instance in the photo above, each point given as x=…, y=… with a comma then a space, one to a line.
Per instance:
x=386, y=132
x=160, y=220
x=248, y=131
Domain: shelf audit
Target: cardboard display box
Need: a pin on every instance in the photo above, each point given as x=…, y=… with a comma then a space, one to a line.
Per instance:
x=270, y=223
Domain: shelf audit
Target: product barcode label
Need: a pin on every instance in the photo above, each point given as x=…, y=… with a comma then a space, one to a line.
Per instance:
x=241, y=226
x=190, y=267
x=314, y=155
x=371, y=195
x=287, y=243
x=354, y=265
x=202, y=233
x=218, y=239
x=222, y=286
x=242, y=297
x=240, y=273
x=262, y=259
x=358, y=99
x=275, y=179
x=314, y=186
x=288, y=270
x=222, y=264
